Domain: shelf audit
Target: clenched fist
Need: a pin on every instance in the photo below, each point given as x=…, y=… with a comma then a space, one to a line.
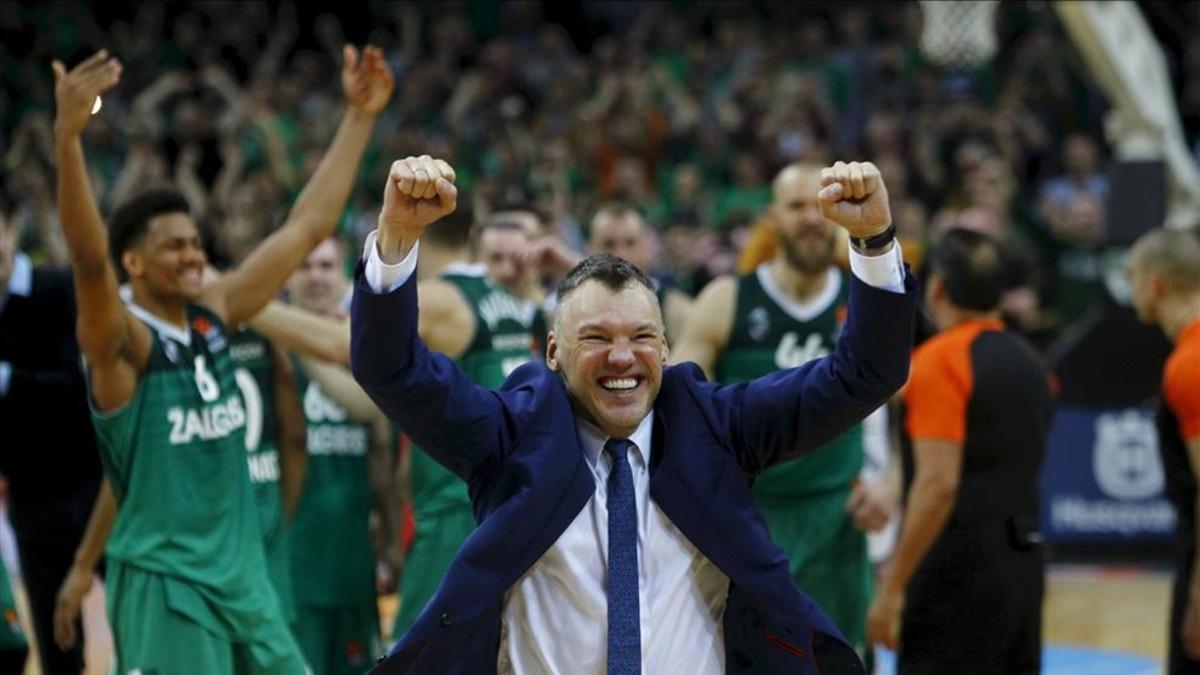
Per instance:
x=853, y=196
x=419, y=190
x=76, y=91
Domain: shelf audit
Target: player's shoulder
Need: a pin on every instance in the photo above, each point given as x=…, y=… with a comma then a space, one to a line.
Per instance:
x=719, y=292
x=1183, y=365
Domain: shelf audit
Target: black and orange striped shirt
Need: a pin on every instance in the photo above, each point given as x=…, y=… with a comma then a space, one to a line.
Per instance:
x=986, y=388
x=1178, y=423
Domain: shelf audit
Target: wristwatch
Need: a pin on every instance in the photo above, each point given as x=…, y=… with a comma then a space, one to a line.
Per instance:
x=870, y=245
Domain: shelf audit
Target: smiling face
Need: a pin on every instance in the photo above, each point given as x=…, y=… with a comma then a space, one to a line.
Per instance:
x=169, y=259
x=610, y=348
x=806, y=238
x=320, y=282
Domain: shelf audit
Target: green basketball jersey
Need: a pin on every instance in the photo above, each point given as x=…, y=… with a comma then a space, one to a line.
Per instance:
x=12, y=636
x=507, y=332
x=175, y=457
x=771, y=332
x=254, y=371
x=332, y=559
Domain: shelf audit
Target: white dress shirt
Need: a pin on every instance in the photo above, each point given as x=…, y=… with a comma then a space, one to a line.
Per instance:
x=555, y=617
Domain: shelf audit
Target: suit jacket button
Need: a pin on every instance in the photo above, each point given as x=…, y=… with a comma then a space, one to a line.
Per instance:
x=446, y=620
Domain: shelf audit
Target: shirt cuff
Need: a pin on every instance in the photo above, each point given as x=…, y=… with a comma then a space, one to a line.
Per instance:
x=881, y=271
x=382, y=277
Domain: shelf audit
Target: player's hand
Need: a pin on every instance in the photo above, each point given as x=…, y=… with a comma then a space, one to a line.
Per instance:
x=366, y=80
x=853, y=196
x=870, y=506
x=67, y=606
x=419, y=190
x=76, y=91
x=549, y=254
x=883, y=619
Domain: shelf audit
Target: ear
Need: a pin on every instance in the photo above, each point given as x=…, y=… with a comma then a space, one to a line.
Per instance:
x=132, y=263
x=937, y=288
x=1158, y=287
x=552, y=352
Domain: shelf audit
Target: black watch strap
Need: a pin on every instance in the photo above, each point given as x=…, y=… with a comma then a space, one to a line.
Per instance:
x=874, y=243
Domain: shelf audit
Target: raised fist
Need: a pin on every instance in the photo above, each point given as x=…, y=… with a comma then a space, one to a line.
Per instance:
x=419, y=190
x=366, y=81
x=853, y=196
x=75, y=92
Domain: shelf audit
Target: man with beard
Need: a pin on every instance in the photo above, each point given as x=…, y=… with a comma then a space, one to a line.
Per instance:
x=785, y=313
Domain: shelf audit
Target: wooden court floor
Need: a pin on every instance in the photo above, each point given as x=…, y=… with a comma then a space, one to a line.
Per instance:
x=1113, y=608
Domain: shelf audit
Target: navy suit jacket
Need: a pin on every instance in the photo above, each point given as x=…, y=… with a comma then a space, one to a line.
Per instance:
x=518, y=452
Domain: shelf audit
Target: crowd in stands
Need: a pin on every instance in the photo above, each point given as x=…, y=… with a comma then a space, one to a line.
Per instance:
x=684, y=110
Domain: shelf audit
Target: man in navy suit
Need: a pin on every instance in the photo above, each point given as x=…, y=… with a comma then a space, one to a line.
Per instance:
x=616, y=529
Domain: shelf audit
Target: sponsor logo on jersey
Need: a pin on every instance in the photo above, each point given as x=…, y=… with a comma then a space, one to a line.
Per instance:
x=338, y=439
x=791, y=352
x=264, y=467
x=211, y=422
x=760, y=324
x=247, y=351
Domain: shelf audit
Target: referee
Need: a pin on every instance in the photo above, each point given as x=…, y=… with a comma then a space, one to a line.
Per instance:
x=964, y=590
x=1164, y=271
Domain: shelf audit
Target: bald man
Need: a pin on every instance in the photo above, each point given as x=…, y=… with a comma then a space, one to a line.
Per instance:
x=786, y=312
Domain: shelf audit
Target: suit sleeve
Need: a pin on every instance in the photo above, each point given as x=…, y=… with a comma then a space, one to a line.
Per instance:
x=785, y=414
x=460, y=424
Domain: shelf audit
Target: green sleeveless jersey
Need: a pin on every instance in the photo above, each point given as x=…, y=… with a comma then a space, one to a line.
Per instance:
x=771, y=332
x=254, y=372
x=507, y=332
x=176, y=459
x=332, y=559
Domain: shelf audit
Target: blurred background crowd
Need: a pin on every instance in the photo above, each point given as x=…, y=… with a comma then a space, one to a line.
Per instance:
x=685, y=110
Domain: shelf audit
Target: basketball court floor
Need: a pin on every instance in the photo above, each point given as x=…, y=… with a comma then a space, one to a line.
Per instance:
x=1098, y=621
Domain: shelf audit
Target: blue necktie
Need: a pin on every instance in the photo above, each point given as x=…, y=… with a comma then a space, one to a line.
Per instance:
x=624, y=622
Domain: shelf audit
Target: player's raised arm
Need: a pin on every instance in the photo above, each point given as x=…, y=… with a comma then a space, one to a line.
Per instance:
x=108, y=336
x=368, y=85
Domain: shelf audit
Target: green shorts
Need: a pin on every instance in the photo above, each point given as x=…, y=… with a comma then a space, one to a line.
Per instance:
x=438, y=537
x=338, y=640
x=827, y=555
x=151, y=636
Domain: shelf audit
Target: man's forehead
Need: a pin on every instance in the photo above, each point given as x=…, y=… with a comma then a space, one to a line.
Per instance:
x=173, y=225
x=592, y=298
x=611, y=225
x=501, y=238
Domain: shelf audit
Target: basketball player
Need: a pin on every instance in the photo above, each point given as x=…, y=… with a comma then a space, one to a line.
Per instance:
x=785, y=313
x=187, y=581
x=350, y=471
